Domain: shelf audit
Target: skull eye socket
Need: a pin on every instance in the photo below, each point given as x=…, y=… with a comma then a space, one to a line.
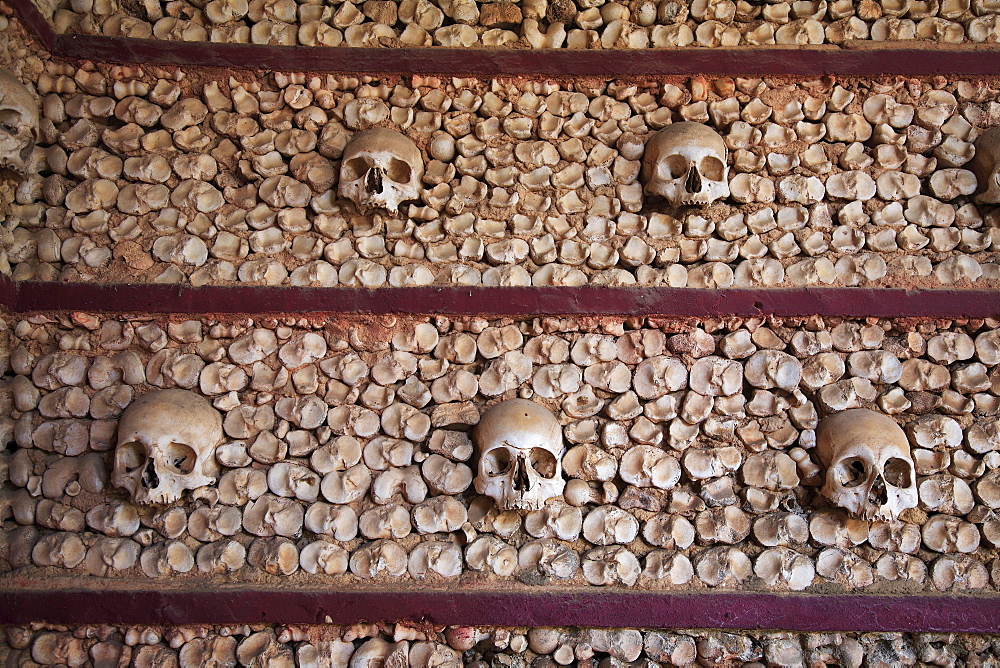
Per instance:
x=181, y=458
x=897, y=472
x=10, y=120
x=677, y=165
x=399, y=171
x=851, y=473
x=711, y=168
x=497, y=462
x=355, y=168
x=543, y=462
x=131, y=456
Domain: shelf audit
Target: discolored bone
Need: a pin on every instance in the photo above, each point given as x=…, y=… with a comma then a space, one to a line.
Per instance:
x=870, y=471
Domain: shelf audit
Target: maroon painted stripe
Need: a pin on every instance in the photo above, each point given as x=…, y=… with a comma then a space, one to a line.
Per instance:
x=553, y=63
x=610, y=609
x=680, y=302
x=798, y=61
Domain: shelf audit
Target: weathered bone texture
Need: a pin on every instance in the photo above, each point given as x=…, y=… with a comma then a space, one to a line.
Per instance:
x=385, y=644
x=166, y=444
x=520, y=449
x=985, y=164
x=380, y=169
x=18, y=124
x=869, y=470
x=686, y=163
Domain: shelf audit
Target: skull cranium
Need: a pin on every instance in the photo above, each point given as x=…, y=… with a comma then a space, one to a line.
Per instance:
x=166, y=444
x=869, y=470
x=520, y=448
x=985, y=164
x=380, y=169
x=686, y=164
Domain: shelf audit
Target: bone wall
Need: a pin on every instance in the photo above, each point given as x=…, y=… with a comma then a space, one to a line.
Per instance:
x=549, y=24
x=161, y=175
x=454, y=646
x=347, y=456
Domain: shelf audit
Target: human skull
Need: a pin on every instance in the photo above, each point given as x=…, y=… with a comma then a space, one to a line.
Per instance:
x=381, y=168
x=985, y=164
x=166, y=444
x=869, y=471
x=18, y=124
x=686, y=163
x=520, y=447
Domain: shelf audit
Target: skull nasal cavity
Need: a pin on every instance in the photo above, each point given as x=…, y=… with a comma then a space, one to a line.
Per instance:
x=877, y=494
x=520, y=481
x=693, y=184
x=373, y=180
x=149, y=478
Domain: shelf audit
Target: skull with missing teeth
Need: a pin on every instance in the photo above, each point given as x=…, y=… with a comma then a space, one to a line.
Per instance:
x=166, y=444
x=869, y=471
x=18, y=124
x=520, y=448
x=686, y=164
x=381, y=169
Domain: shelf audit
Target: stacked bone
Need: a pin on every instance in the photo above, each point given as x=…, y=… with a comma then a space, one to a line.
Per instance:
x=345, y=450
x=148, y=175
x=365, y=645
x=540, y=24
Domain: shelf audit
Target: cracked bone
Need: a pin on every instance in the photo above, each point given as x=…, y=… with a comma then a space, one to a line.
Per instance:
x=870, y=472
x=166, y=444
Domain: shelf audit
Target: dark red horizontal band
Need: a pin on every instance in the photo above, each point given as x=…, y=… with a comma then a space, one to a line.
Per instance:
x=541, y=607
x=551, y=63
x=556, y=63
x=528, y=301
